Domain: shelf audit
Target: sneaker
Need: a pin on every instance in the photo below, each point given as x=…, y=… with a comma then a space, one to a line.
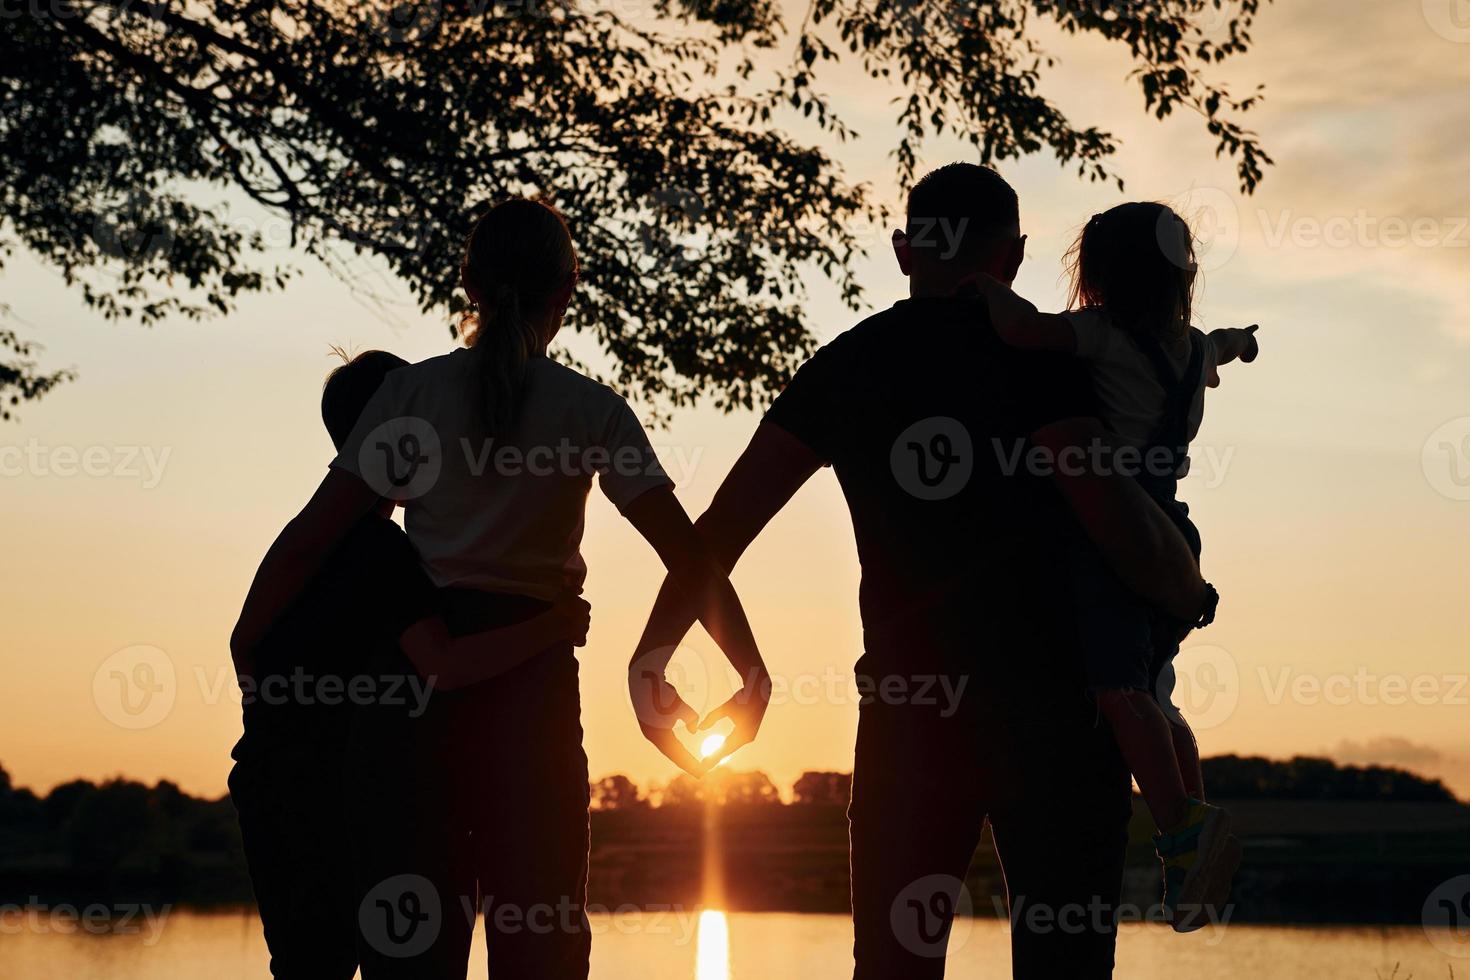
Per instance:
x=1200, y=859
x=1215, y=900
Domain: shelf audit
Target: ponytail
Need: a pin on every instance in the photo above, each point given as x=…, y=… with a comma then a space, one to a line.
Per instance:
x=503, y=343
x=517, y=258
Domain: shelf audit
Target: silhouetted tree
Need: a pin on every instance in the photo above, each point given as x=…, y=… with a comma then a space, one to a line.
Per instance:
x=383, y=127
x=823, y=788
x=9, y=794
x=1307, y=778
x=616, y=793
x=211, y=828
x=682, y=790
x=20, y=379
x=108, y=825
x=723, y=787
x=20, y=818
x=745, y=788
x=59, y=805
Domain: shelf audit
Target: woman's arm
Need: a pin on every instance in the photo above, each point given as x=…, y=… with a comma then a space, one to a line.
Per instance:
x=1020, y=324
x=765, y=477
x=453, y=662
x=698, y=584
x=296, y=556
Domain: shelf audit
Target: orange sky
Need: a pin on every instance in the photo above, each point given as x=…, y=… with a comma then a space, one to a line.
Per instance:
x=1332, y=478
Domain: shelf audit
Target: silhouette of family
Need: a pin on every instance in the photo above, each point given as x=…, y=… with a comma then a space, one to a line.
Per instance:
x=1012, y=479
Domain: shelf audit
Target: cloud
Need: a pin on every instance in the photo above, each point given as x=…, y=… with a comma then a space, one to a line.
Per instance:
x=1386, y=750
x=1364, y=115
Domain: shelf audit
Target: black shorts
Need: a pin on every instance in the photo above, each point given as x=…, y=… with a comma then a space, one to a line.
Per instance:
x=1127, y=644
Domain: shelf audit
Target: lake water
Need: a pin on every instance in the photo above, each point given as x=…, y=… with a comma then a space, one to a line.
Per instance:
x=748, y=946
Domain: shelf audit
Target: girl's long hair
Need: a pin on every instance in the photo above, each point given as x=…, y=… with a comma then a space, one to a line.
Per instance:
x=518, y=256
x=1136, y=264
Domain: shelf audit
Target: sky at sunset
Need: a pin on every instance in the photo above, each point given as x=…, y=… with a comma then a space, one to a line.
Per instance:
x=1331, y=479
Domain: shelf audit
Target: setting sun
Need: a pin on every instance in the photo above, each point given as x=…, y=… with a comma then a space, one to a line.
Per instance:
x=712, y=954
x=710, y=745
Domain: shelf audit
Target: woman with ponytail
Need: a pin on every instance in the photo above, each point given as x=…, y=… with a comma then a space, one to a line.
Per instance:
x=492, y=450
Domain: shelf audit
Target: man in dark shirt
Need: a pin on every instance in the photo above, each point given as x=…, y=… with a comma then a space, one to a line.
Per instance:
x=942, y=439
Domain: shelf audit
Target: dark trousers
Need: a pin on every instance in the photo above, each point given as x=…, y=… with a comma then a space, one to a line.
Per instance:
x=479, y=805
x=287, y=789
x=1058, y=798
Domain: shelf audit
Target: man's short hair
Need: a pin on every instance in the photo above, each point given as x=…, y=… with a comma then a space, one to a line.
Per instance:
x=960, y=208
x=351, y=386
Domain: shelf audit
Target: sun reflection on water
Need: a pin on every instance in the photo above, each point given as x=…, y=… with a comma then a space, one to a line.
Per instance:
x=712, y=952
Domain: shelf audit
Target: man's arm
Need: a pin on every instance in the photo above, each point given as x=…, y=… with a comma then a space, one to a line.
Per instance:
x=1133, y=533
x=768, y=473
x=766, y=476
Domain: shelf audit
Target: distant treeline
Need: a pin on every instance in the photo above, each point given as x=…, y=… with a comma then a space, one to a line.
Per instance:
x=121, y=840
x=93, y=841
x=1226, y=777
x=1234, y=777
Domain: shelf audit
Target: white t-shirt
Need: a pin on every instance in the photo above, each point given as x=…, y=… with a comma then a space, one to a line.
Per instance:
x=504, y=514
x=1124, y=379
